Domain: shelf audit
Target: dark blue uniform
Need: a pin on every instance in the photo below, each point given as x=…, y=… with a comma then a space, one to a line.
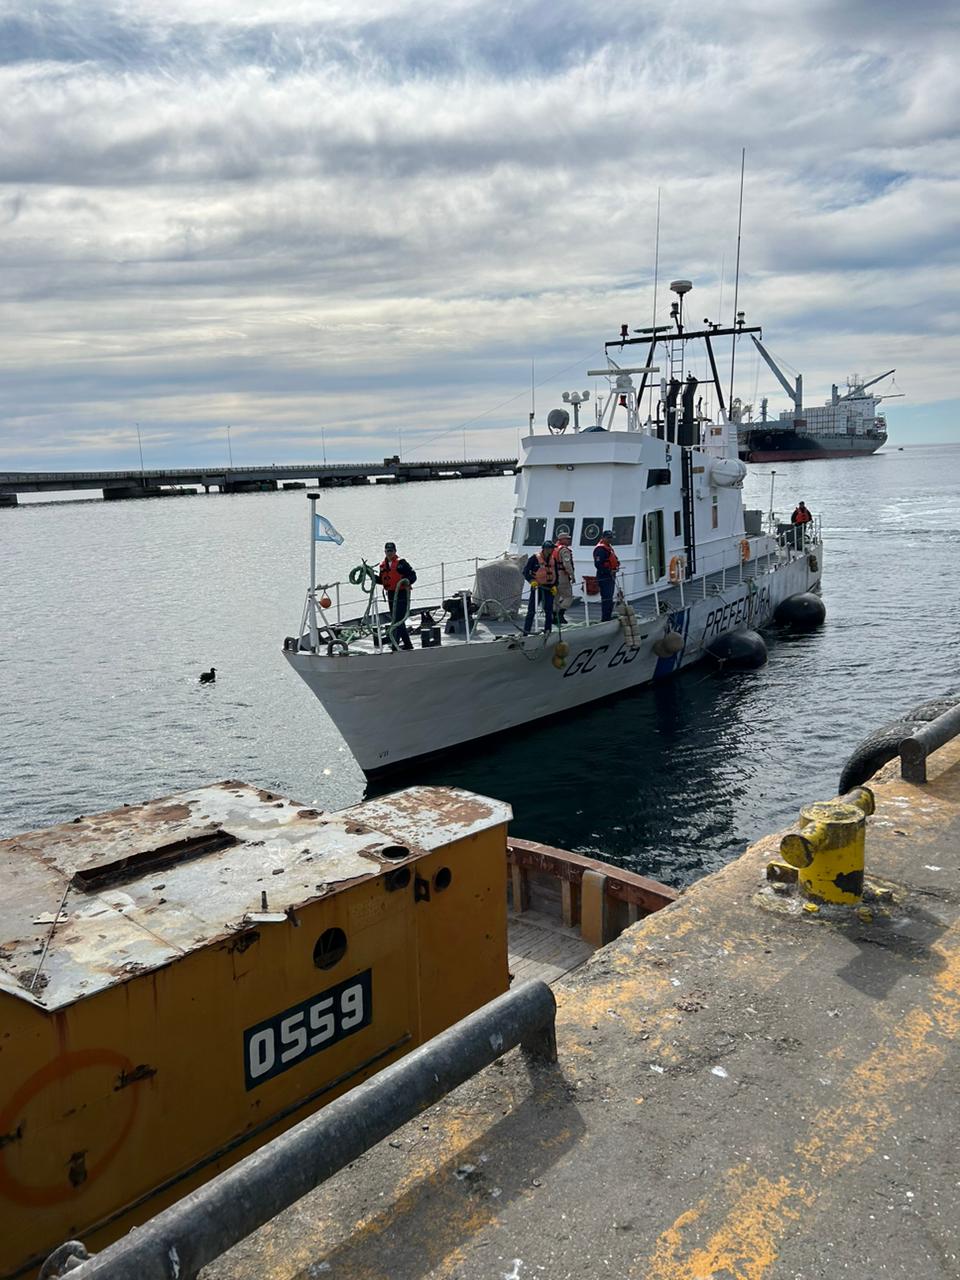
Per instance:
x=399, y=604
x=545, y=591
x=606, y=577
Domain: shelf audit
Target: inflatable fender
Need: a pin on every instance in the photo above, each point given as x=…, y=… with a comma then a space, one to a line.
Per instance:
x=802, y=612
x=739, y=650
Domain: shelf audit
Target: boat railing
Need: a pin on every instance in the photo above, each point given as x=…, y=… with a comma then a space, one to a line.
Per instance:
x=435, y=583
x=340, y=605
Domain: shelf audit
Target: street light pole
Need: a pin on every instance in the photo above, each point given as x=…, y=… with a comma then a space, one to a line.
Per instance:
x=140, y=447
x=229, y=449
x=323, y=442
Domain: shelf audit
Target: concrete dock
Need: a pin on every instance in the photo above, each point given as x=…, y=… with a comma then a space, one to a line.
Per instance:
x=741, y=1094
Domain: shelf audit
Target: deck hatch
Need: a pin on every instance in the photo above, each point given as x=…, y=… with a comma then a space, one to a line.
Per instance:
x=103, y=874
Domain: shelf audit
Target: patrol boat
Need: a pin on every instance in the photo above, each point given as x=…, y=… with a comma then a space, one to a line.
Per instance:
x=696, y=571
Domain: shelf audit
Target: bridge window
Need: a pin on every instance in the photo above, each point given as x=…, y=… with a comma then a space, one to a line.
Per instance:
x=536, y=532
x=591, y=530
x=676, y=524
x=623, y=529
x=563, y=525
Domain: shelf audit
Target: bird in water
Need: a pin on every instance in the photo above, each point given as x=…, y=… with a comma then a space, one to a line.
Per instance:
x=208, y=677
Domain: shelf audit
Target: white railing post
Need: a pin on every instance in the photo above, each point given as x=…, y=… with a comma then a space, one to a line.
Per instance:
x=311, y=599
x=466, y=613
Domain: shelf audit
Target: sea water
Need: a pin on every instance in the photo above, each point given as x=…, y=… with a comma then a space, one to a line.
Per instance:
x=110, y=611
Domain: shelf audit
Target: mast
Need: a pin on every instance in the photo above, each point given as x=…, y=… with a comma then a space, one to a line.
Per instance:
x=736, y=286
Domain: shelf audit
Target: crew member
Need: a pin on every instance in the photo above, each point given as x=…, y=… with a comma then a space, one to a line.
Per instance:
x=397, y=577
x=607, y=565
x=800, y=519
x=563, y=560
x=541, y=572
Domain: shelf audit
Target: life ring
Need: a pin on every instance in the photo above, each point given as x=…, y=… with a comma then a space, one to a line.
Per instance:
x=676, y=568
x=744, y=550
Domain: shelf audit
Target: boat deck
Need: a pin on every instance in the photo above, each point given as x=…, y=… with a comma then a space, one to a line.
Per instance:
x=648, y=605
x=539, y=946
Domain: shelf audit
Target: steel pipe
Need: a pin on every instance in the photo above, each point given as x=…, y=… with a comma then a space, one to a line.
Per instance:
x=915, y=749
x=181, y=1240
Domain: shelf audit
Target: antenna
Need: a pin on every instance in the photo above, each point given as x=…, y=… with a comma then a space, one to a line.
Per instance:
x=533, y=393
x=656, y=275
x=736, y=285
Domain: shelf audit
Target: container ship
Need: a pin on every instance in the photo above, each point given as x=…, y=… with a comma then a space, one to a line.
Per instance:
x=847, y=426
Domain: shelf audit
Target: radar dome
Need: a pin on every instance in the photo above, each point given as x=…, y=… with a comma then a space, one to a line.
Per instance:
x=558, y=420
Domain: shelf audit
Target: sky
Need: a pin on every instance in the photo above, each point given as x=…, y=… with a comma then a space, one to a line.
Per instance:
x=293, y=227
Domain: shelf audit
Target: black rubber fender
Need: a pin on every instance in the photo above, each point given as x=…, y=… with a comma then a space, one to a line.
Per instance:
x=739, y=650
x=884, y=744
x=803, y=612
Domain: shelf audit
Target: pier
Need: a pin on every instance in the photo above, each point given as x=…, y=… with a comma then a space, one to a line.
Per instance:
x=165, y=481
x=739, y=1095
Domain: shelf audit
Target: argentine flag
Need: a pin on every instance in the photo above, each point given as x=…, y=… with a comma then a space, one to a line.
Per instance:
x=323, y=531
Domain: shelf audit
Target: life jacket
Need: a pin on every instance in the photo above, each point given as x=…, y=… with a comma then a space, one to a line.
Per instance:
x=390, y=575
x=557, y=557
x=801, y=517
x=612, y=563
x=545, y=575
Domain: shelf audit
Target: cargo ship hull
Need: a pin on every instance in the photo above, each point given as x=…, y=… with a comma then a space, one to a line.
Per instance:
x=792, y=446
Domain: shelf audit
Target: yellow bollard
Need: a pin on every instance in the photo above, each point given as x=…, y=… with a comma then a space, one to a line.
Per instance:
x=827, y=850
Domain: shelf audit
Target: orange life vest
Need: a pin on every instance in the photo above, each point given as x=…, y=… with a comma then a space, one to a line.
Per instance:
x=613, y=564
x=802, y=517
x=558, y=561
x=390, y=575
x=546, y=574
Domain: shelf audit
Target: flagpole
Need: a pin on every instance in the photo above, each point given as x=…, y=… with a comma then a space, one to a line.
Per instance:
x=311, y=600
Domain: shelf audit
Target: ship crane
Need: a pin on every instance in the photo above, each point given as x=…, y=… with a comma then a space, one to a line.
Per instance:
x=862, y=386
x=794, y=392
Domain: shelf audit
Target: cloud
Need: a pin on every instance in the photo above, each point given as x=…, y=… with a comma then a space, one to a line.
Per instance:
x=375, y=218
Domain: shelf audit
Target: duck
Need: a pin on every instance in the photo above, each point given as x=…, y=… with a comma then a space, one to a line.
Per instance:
x=208, y=677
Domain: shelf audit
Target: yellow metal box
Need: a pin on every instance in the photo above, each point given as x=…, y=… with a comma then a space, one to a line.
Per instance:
x=182, y=980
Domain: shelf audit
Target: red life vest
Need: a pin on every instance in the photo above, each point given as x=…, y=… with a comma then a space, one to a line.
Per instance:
x=802, y=517
x=613, y=564
x=546, y=574
x=390, y=575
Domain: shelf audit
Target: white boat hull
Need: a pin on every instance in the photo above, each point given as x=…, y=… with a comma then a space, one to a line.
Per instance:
x=393, y=708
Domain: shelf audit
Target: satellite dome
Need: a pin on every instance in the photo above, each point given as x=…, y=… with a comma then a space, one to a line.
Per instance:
x=558, y=420
x=681, y=286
